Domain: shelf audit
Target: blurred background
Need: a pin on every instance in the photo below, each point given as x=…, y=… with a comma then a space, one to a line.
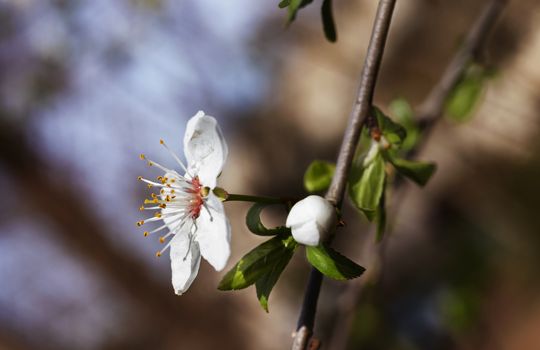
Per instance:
x=86, y=86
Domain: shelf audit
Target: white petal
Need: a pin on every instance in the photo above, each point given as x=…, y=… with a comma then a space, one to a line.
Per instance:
x=307, y=233
x=184, y=264
x=214, y=233
x=205, y=148
x=311, y=219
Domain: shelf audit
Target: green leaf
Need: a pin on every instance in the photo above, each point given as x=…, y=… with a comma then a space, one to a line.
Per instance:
x=255, y=225
x=467, y=92
x=419, y=172
x=257, y=263
x=329, y=26
x=284, y=3
x=332, y=264
x=366, y=185
x=392, y=132
x=380, y=216
x=463, y=99
x=404, y=114
x=266, y=283
x=294, y=6
x=318, y=176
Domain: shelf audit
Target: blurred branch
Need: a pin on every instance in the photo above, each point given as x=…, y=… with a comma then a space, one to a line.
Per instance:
x=160, y=310
x=336, y=191
x=432, y=107
x=428, y=114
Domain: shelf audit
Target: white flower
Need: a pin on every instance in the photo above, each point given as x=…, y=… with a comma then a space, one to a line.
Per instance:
x=310, y=219
x=193, y=217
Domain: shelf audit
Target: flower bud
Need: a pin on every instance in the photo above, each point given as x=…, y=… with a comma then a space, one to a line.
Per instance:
x=311, y=220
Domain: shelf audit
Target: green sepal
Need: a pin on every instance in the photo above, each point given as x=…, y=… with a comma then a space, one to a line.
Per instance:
x=332, y=264
x=265, y=284
x=255, y=225
x=366, y=184
x=318, y=176
x=220, y=193
x=392, y=131
x=419, y=172
x=257, y=263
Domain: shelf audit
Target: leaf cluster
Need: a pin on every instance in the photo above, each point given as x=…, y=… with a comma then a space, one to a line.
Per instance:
x=264, y=264
x=327, y=16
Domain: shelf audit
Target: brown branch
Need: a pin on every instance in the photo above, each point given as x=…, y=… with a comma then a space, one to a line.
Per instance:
x=336, y=191
x=364, y=99
x=429, y=113
x=433, y=105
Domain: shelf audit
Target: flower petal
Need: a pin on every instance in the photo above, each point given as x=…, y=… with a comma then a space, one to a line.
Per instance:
x=308, y=233
x=184, y=263
x=214, y=233
x=205, y=148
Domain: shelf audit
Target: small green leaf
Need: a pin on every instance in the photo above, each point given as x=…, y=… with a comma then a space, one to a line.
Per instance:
x=255, y=225
x=366, y=185
x=467, y=92
x=294, y=6
x=419, y=172
x=392, y=132
x=284, y=3
x=332, y=264
x=265, y=284
x=329, y=26
x=404, y=114
x=463, y=99
x=318, y=176
x=257, y=263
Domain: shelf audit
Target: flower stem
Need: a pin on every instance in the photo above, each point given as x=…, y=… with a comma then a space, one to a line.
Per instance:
x=255, y=199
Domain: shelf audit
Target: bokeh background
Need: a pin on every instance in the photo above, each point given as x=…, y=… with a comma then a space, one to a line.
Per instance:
x=86, y=86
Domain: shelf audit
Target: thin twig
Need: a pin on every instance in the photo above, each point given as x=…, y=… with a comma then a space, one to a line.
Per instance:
x=429, y=113
x=336, y=191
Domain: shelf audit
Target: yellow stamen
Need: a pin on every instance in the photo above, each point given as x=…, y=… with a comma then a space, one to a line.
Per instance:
x=145, y=233
x=158, y=254
x=141, y=208
x=157, y=215
x=161, y=141
x=140, y=223
x=162, y=240
x=142, y=156
x=139, y=178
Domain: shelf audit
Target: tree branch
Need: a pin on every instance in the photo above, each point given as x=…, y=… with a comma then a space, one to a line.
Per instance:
x=428, y=114
x=336, y=191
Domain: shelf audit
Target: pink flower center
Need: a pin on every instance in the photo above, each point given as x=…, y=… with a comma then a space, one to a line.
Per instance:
x=196, y=202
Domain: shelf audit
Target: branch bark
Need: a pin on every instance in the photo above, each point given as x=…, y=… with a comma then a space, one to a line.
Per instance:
x=357, y=118
x=428, y=114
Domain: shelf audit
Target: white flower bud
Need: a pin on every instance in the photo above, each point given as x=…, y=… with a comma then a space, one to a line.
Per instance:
x=311, y=220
